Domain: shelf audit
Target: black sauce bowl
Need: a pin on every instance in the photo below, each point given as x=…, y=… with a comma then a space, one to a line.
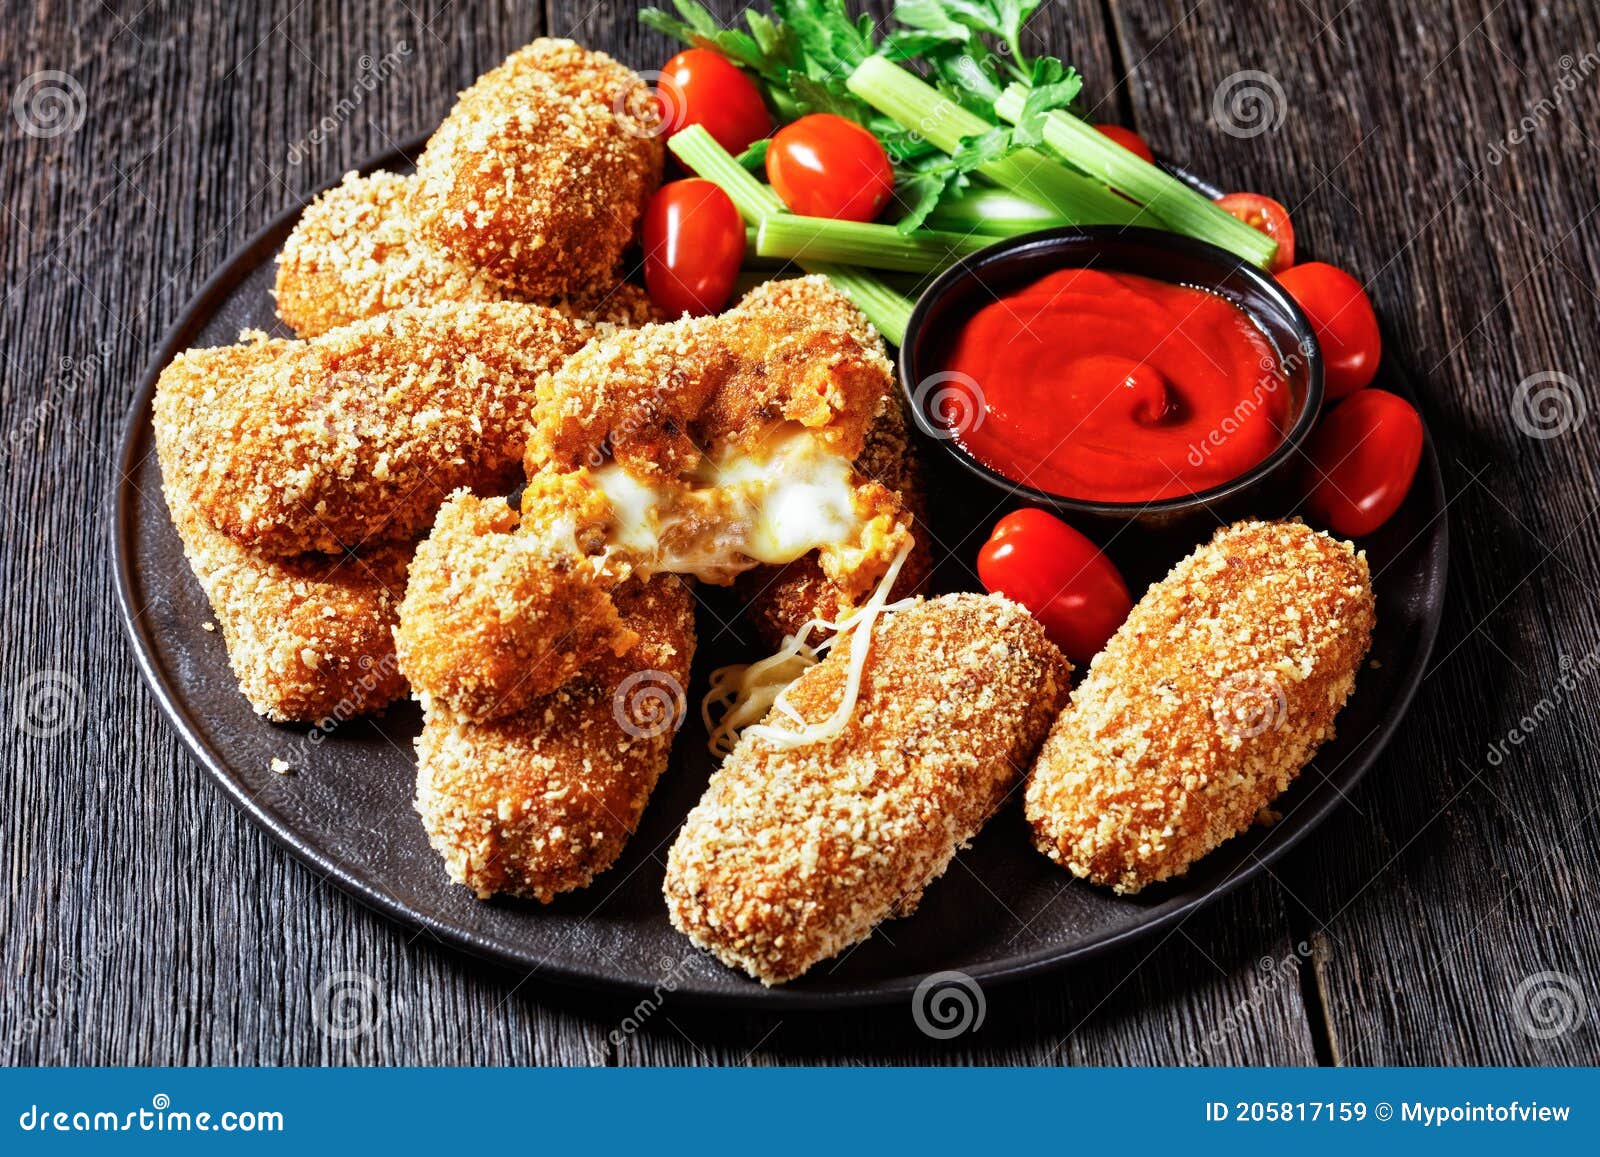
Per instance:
x=1267, y=489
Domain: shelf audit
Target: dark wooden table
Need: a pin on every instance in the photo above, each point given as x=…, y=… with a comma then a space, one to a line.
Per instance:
x=1446, y=915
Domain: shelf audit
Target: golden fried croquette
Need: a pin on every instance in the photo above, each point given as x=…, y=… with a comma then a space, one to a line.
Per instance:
x=497, y=615
x=358, y=251
x=818, y=301
x=729, y=440
x=310, y=638
x=795, y=853
x=539, y=802
x=358, y=435
x=656, y=398
x=779, y=600
x=540, y=174
x=1204, y=706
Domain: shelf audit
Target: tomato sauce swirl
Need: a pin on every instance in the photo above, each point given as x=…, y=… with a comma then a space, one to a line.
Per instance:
x=1112, y=387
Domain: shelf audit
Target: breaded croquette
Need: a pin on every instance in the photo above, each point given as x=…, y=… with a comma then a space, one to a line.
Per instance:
x=728, y=441
x=1204, y=706
x=656, y=398
x=310, y=638
x=795, y=853
x=540, y=174
x=497, y=615
x=357, y=251
x=818, y=301
x=540, y=802
x=358, y=435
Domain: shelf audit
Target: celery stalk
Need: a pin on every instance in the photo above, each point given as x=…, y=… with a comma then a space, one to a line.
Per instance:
x=992, y=211
x=697, y=149
x=919, y=107
x=855, y=243
x=1179, y=207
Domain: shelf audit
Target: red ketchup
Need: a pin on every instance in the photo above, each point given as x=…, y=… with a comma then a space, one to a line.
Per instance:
x=1112, y=387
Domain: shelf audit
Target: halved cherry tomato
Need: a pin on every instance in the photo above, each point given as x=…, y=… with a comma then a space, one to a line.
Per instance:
x=1129, y=140
x=693, y=247
x=1363, y=456
x=825, y=166
x=1268, y=216
x=1346, y=327
x=702, y=87
x=1075, y=592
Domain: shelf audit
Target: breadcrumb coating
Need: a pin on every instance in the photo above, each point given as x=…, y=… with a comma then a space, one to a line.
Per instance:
x=794, y=854
x=356, y=252
x=540, y=174
x=653, y=399
x=359, y=251
x=497, y=615
x=358, y=435
x=309, y=637
x=540, y=802
x=1204, y=706
x=819, y=302
x=662, y=401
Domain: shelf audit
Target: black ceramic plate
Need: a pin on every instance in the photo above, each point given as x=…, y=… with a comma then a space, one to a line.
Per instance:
x=1000, y=911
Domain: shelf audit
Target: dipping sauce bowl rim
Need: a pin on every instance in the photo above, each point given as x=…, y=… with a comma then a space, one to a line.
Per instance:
x=1026, y=258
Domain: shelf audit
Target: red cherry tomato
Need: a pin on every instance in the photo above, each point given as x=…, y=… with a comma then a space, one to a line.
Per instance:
x=825, y=166
x=1269, y=217
x=702, y=87
x=1075, y=592
x=1129, y=140
x=693, y=247
x=1346, y=327
x=1363, y=456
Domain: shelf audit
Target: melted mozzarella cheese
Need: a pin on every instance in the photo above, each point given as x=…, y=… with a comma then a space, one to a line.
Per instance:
x=735, y=513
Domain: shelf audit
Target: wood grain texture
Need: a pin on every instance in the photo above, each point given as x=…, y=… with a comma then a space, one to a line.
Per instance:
x=145, y=922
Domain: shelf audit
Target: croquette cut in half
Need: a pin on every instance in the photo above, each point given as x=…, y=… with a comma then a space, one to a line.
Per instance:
x=540, y=174
x=356, y=437
x=538, y=803
x=795, y=853
x=358, y=251
x=780, y=600
x=1204, y=706
x=675, y=405
x=309, y=636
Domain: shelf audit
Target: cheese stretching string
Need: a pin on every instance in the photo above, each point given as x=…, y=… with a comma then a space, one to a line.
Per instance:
x=749, y=692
